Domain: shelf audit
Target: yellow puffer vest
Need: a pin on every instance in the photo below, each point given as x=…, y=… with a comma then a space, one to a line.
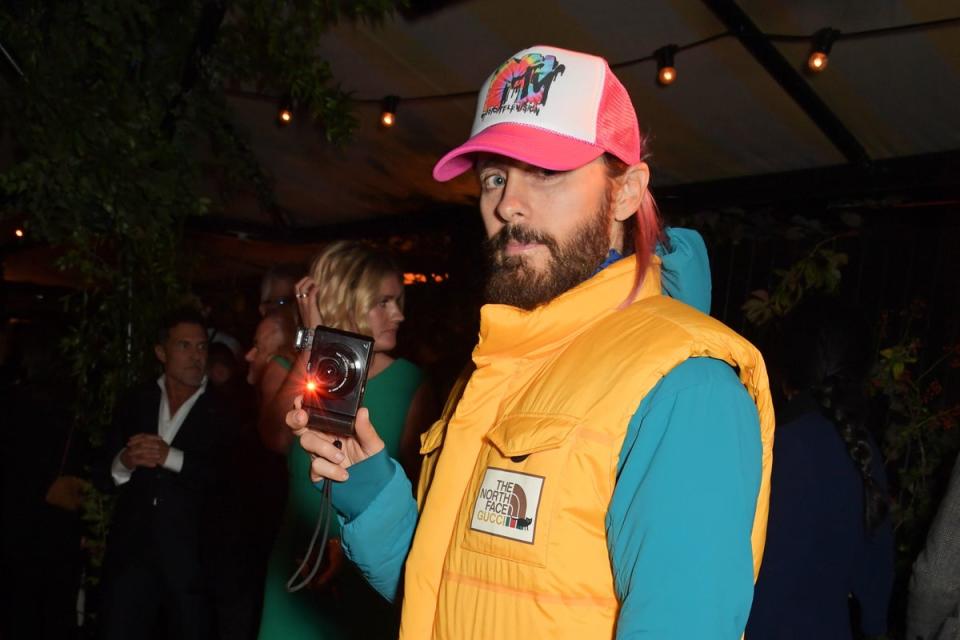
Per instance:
x=511, y=536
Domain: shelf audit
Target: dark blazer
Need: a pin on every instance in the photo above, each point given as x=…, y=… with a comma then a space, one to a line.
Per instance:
x=159, y=506
x=817, y=549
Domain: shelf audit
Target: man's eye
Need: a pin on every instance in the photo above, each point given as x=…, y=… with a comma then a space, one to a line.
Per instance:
x=494, y=181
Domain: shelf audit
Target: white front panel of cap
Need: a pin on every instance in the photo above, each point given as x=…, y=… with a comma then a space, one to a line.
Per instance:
x=545, y=87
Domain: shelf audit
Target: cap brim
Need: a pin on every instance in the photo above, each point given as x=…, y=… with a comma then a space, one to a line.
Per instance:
x=539, y=147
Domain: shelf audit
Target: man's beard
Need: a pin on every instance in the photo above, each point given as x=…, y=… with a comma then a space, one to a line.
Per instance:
x=512, y=281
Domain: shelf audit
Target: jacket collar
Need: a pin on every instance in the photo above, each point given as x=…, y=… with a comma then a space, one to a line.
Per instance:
x=509, y=332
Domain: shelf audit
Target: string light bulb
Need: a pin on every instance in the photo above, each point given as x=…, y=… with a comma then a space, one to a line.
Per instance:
x=820, y=51
x=388, y=115
x=285, y=112
x=666, y=71
x=18, y=233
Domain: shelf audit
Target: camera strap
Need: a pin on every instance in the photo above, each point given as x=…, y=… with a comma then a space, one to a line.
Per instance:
x=323, y=522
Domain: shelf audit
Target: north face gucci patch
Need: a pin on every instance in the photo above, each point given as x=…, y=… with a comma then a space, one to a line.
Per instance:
x=507, y=504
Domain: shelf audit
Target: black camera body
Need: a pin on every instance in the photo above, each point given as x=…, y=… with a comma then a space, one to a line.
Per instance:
x=336, y=379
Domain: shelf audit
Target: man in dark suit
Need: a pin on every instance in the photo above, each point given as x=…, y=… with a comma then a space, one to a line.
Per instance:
x=161, y=456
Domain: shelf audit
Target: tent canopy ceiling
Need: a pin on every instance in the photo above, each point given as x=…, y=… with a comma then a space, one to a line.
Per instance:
x=726, y=117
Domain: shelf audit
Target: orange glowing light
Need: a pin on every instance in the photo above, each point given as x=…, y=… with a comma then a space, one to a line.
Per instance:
x=414, y=278
x=667, y=75
x=286, y=116
x=18, y=233
x=311, y=386
x=387, y=119
x=817, y=61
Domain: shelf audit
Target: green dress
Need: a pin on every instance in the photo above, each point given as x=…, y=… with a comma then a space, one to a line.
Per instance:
x=353, y=609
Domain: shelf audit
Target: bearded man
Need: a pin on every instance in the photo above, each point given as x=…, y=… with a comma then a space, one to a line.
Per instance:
x=606, y=471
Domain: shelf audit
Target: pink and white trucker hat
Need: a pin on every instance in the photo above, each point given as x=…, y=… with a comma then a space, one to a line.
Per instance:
x=551, y=108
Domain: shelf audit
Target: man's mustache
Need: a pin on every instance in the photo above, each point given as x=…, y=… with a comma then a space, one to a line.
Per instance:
x=522, y=234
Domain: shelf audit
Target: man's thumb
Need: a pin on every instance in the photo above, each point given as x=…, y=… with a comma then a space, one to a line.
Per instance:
x=367, y=436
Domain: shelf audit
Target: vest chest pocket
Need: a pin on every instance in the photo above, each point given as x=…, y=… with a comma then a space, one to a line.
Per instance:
x=431, y=443
x=515, y=485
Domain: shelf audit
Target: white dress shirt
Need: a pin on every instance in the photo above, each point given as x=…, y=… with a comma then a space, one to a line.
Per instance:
x=167, y=428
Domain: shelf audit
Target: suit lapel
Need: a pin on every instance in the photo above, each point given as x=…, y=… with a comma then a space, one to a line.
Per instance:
x=193, y=425
x=151, y=416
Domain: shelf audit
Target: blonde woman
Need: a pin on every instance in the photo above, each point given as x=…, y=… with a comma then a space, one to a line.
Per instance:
x=353, y=288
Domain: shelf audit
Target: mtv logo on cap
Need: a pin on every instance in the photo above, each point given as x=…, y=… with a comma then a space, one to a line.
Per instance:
x=552, y=108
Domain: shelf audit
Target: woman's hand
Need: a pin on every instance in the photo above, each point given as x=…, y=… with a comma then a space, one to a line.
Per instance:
x=330, y=461
x=306, y=292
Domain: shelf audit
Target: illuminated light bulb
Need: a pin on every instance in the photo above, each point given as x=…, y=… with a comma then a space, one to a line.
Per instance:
x=666, y=71
x=18, y=233
x=820, y=49
x=311, y=386
x=285, y=112
x=817, y=61
x=667, y=75
x=388, y=114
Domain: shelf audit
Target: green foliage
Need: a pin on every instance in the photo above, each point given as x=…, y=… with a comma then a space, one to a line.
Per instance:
x=819, y=271
x=110, y=141
x=921, y=437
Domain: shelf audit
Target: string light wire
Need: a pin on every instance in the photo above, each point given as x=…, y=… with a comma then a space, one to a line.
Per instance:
x=773, y=37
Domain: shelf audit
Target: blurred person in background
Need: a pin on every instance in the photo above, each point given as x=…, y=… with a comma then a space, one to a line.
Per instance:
x=277, y=289
x=161, y=456
x=222, y=365
x=41, y=459
x=829, y=536
x=272, y=354
x=353, y=288
x=244, y=514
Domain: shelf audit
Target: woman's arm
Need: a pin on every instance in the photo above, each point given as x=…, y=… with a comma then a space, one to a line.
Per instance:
x=278, y=388
x=273, y=429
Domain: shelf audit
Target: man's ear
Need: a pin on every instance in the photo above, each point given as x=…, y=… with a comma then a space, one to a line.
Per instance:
x=160, y=353
x=632, y=188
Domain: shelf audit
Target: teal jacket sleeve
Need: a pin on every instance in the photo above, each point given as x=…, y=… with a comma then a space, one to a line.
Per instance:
x=679, y=522
x=378, y=516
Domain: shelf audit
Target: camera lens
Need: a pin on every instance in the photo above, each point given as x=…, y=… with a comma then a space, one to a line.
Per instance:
x=335, y=368
x=331, y=372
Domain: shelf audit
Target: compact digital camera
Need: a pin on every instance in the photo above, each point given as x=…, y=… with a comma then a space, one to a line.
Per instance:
x=336, y=379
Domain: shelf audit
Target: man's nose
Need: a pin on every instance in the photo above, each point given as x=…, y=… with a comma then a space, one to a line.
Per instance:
x=512, y=204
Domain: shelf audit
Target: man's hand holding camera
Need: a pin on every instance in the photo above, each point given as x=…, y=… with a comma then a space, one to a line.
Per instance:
x=145, y=450
x=329, y=461
x=346, y=363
